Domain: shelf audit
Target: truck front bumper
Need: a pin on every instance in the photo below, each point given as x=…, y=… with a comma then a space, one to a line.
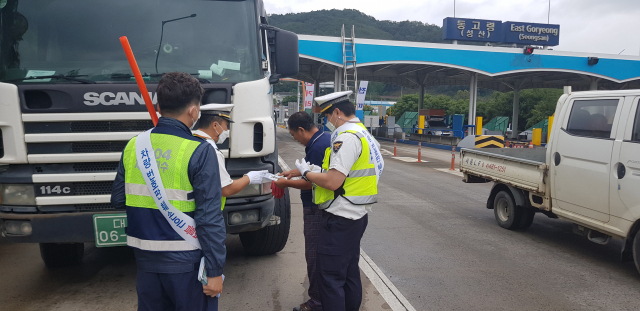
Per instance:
x=78, y=227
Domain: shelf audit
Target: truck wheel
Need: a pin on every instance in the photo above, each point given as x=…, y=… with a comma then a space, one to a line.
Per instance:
x=59, y=255
x=527, y=218
x=636, y=250
x=272, y=239
x=506, y=212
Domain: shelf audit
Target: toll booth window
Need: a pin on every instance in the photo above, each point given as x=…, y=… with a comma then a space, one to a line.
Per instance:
x=635, y=136
x=592, y=118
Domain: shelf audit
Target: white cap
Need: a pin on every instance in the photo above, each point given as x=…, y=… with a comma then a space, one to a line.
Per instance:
x=222, y=110
x=325, y=102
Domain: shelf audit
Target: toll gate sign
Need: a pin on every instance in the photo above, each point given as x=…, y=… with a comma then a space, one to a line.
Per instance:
x=531, y=34
x=466, y=29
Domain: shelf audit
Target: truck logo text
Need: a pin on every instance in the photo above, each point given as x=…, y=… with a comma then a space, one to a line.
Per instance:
x=114, y=99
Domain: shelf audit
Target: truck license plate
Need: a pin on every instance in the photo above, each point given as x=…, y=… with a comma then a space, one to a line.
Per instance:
x=109, y=229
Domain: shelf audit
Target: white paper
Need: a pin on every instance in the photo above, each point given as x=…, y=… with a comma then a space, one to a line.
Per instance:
x=202, y=274
x=205, y=74
x=228, y=65
x=36, y=73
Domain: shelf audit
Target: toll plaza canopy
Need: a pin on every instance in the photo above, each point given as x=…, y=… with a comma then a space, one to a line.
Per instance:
x=417, y=65
x=414, y=64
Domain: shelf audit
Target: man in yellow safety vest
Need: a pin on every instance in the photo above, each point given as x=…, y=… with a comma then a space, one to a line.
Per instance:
x=344, y=187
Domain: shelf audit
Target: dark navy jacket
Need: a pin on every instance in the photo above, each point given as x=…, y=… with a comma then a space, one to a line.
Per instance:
x=149, y=224
x=314, y=150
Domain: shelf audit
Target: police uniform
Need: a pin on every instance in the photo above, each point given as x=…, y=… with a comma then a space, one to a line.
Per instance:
x=167, y=277
x=223, y=111
x=344, y=217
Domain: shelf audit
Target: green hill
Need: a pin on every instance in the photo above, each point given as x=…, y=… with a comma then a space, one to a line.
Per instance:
x=329, y=23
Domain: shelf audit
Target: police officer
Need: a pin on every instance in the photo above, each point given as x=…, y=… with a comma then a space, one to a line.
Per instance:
x=213, y=127
x=304, y=131
x=345, y=189
x=186, y=171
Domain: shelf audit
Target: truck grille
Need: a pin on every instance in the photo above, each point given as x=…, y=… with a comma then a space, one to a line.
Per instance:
x=91, y=147
x=93, y=188
x=89, y=167
x=93, y=207
x=95, y=167
x=87, y=127
x=76, y=147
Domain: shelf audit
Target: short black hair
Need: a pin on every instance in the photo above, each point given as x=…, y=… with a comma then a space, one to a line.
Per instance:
x=301, y=120
x=176, y=91
x=347, y=107
x=207, y=119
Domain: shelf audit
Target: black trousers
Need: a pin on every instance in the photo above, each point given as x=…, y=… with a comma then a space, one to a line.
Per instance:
x=337, y=262
x=172, y=292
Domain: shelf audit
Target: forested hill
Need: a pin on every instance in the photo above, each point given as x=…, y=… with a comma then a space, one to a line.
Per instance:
x=329, y=23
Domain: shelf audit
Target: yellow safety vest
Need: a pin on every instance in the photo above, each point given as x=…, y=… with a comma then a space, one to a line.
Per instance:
x=361, y=185
x=172, y=155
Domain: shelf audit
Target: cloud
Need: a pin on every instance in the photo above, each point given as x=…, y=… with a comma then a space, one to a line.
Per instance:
x=596, y=26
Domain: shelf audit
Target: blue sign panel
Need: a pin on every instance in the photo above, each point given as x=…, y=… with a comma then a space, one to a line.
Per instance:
x=465, y=29
x=531, y=34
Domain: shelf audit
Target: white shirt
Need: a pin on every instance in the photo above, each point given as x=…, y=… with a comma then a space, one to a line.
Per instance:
x=225, y=179
x=342, y=160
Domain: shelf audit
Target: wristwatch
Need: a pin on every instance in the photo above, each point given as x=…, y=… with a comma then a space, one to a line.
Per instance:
x=304, y=175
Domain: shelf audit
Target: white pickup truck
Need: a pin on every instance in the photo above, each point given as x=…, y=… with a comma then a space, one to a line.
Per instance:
x=588, y=174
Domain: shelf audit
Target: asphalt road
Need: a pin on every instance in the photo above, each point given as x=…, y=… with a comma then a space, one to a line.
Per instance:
x=430, y=234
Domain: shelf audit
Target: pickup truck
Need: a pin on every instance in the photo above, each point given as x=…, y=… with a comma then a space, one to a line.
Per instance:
x=588, y=174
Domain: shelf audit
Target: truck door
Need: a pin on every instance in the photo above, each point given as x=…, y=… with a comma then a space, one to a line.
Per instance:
x=625, y=180
x=581, y=156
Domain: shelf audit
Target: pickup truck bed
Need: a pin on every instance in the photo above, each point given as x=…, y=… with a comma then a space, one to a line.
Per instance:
x=522, y=168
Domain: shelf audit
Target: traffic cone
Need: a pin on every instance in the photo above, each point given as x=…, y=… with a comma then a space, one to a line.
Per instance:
x=531, y=145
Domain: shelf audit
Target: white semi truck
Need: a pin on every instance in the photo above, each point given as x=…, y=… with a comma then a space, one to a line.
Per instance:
x=588, y=174
x=69, y=104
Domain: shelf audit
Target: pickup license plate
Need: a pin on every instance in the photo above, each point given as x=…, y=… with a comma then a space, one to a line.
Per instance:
x=109, y=229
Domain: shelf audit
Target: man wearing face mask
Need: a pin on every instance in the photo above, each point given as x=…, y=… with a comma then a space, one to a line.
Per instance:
x=214, y=128
x=166, y=179
x=344, y=190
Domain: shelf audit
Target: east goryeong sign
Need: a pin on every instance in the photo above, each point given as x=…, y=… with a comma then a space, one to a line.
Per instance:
x=479, y=30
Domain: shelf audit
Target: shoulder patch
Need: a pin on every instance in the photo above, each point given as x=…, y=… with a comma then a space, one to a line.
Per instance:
x=336, y=146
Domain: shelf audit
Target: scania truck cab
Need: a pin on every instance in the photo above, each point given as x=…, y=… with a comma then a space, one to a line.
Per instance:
x=69, y=104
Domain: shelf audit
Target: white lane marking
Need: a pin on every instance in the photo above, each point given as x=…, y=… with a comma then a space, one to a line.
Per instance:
x=446, y=170
x=405, y=159
x=383, y=285
x=409, y=159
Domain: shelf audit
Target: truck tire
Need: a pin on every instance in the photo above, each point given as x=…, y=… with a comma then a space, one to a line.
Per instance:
x=507, y=214
x=59, y=255
x=272, y=239
x=636, y=250
x=527, y=218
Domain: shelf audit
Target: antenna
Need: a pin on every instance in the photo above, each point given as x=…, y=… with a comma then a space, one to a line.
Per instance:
x=549, y=13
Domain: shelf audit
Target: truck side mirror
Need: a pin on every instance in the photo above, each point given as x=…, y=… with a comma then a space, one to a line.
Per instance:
x=283, y=46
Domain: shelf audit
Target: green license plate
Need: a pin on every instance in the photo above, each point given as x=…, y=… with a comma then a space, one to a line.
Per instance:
x=109, y=229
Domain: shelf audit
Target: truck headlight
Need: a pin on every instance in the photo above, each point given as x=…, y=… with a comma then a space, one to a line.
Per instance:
x=17, y=194
x=254, y=190
x=244, y=217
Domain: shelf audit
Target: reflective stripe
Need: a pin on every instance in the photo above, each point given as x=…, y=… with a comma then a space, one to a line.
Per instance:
x=360, y=200
x=172, y=194
x=362, y=173
x=160, y=246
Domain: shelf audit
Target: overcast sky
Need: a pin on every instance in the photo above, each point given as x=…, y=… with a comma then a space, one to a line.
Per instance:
x=598, y=26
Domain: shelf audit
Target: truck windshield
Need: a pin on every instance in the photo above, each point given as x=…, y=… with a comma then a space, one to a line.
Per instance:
x=213, y=40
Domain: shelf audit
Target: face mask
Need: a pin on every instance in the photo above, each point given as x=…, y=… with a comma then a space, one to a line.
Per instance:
x=330, y=125
x=221, y=136
x=195, y=121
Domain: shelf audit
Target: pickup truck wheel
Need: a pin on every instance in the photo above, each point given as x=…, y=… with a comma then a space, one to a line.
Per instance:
x=636, y=250
x=527, y=218
x=272, y=239
x=507, y=214
x=59, y=255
